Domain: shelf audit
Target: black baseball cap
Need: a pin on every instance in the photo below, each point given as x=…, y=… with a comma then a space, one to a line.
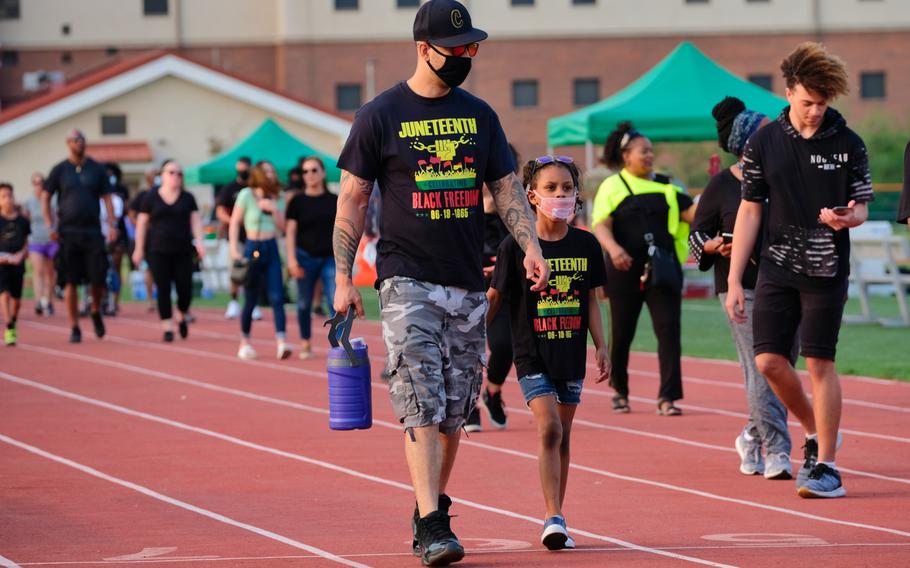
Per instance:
x=445, y=23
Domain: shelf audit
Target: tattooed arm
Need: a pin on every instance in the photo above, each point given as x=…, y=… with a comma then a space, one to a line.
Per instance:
x=512, y=204
x=353, y=198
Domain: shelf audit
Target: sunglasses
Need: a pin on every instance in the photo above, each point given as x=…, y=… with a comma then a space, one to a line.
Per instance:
x=311, y=171
x=471, y=49
x=546, y=160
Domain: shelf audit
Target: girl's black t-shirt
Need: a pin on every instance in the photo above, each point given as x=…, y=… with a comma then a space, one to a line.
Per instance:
x=170, y=226
x=430, y=157
x=550, y=328
x=315, y=217
x=798, y=177
x=13, y=233
x=716, y=214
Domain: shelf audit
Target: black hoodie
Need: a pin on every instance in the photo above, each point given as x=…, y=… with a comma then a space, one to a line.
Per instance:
x=798, y=177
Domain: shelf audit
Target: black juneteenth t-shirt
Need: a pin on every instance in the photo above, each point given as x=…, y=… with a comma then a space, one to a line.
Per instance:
x=13, y=233
x=550, y=328
x=799, y=177
x=716, y=214
x=79, y=188
x=430, y=158
x=170, y=229
x=315, y=217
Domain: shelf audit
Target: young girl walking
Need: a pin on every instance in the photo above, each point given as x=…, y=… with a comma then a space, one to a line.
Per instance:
x=550, y=328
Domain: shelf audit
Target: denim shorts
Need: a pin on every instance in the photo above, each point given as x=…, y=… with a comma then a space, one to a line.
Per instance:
x=539, y=384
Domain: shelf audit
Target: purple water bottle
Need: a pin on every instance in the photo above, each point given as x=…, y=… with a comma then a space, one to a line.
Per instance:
x=350, y=394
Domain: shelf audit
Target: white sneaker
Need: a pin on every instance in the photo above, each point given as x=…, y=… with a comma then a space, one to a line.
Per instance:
x=257, y=314
x=283, y=350
x=751, y=462
x=233, y=310
x=246, y=351
x=778, y=466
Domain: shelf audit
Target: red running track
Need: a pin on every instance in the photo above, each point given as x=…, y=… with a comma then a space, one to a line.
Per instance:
x=129, y=450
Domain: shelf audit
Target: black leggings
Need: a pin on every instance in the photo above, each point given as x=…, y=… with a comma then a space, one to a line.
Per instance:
x=665, y=312
x=172, y=268
x=499, y=339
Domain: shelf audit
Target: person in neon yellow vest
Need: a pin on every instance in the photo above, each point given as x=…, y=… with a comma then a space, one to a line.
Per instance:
x=629, y=205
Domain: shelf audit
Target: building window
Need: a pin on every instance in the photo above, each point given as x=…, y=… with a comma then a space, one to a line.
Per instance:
x=113, y=124
x=111, y=51
x=66, y=57
x=524, y=93
x=872, y=85
x=154, y=7
x=408, y=3
x=347, y=4
x=9, y=59
x=584, y=2
x=9, y=9
x=586, y=91
x=763, y=80
x=522, y=2
x=348, y=97
x=65, y=29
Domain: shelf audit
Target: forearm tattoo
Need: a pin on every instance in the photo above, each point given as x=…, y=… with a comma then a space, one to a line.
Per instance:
x=349, y=221
x=512, y=204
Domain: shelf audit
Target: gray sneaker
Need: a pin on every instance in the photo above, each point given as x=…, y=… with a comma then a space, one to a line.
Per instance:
x=777, y=466
x=823, y=483
x=750, y=455
x=810, y=457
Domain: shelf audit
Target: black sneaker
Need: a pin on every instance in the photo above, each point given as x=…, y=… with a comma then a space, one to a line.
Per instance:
x=168, y=336
x=76, y=335
x=443, y=505
x=98, y=323
x=810, y=457
x=496, y=410
x=183, y=329
x=439, y=544
x=39, y=311
x=472, y=423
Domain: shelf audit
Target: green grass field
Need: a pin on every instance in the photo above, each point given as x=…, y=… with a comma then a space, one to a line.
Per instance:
x=869, y=350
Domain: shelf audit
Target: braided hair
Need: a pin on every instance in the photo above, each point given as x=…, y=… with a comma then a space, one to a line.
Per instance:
x=617, y=142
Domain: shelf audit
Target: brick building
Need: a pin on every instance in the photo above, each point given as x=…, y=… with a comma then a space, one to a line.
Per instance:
x=544, y=57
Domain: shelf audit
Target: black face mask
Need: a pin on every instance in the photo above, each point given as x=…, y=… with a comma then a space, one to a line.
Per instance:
x=454, y=71
x=244, y=175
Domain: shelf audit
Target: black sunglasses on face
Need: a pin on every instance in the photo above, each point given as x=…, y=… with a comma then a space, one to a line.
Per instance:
x=312, y=171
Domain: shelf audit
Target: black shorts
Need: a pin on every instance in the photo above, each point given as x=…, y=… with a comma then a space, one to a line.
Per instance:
x=82, y=258
x=781, y=308
x=11, y=278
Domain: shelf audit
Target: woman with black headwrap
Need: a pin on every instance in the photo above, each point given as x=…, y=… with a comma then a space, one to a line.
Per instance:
x=711, y=242
x=635, y=210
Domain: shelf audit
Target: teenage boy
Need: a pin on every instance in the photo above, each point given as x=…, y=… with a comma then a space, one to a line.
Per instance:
x=813, y=172
x=431, y=146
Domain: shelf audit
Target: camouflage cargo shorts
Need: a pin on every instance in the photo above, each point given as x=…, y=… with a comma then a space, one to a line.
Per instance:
x=436, y=340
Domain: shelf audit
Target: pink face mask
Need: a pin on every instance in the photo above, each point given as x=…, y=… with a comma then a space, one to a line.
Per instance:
x=557, y=208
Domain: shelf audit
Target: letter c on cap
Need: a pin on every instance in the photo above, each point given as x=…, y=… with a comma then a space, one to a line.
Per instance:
x=457, y=20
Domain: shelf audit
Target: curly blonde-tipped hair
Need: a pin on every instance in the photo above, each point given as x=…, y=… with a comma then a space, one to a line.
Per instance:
x=811, y=66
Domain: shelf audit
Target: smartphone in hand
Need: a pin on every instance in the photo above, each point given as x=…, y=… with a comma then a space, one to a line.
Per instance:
x=728, y=238
x=841, y=210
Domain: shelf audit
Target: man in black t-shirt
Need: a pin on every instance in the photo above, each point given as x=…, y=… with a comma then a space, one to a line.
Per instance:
x=80, y=183
x=224, y=205
x=813, y=172
x=431, y=146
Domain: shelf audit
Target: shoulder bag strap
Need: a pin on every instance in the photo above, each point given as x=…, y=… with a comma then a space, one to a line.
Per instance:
x=649, y=235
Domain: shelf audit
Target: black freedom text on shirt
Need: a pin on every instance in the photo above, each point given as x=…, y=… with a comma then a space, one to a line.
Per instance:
x=315, y=217
x=550, y=328
x=170, y=227
x=79, y=189
x=430, y=158
x=798, y=177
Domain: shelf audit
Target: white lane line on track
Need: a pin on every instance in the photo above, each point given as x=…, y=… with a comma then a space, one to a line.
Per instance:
x=7, y=563
x=322, y=464
x=650, y=374
x=517, y=453
x=583, y=550
x=375, y=385
x=178, y=503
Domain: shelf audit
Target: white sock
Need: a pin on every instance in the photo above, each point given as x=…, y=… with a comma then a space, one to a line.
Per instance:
x=829, y=464
x=812, y=436
x=747, y=437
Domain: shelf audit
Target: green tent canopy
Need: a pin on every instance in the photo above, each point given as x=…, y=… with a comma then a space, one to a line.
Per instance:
x=671, y=102
x=268, y=142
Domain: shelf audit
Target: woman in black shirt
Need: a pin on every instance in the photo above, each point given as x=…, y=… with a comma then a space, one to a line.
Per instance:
x=168, y=224
x=711, y=243
x=631, y=206
x=310, y=222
